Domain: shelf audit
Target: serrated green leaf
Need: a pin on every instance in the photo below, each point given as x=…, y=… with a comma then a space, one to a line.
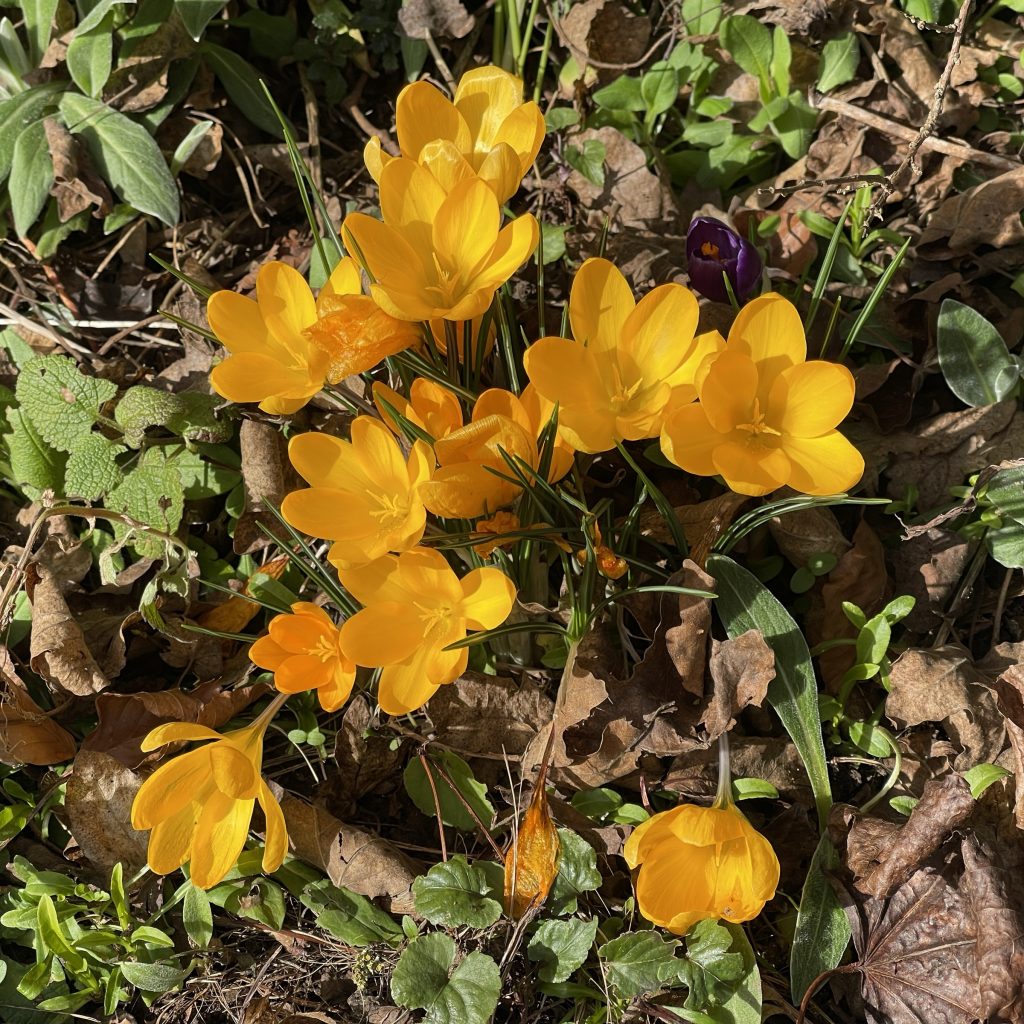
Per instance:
x=822, y=929
x=92, y=467
x=152, y=494
x=17, y=113
x=34, y=463
x=60, y=400
x=561, y=947
x=452, y=810
x=973, y=356
x=125, y=154
x=745, y=603
x=457, y=894
x=90, y=55
x=577, y=873
x=639, y=962
x=350, y=917
x=31, y=177
x=421, y=981
x=189, y=414
x=743, y=1006
x=839, y=60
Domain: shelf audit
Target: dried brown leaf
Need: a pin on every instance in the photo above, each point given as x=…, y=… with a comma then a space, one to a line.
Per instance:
x=424, y=19
x=125, y=718
x=99, y=799
x=268, y=476
x=741, y=670
x=27, y=735
x=350, y=857
x=365, y=759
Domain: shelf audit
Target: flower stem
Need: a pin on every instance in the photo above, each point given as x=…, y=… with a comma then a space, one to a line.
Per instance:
x=723, y=798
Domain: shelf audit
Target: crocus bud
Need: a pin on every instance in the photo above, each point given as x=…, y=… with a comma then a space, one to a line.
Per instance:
x=712, y=248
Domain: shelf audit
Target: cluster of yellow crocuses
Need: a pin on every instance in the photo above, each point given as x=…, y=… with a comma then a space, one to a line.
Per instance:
x=751, y=409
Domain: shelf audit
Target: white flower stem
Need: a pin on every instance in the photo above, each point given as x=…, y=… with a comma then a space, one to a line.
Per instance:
x=723, y=798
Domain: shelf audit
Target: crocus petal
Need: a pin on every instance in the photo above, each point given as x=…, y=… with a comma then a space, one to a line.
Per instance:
x=267, y=654
x=730, y=390
x=566, y=373
x=688, y=440
x=285, y=299
x=278, y=405
x=170, y=842
x=466, y=490
x=656, y=336
x=237, y=322
x=810, y=399
x=422, y=114
x=375, y=158
x=499, y=402
x=514, y=246
x=275, y=845
x=220, y=834
x=770, y=331
x=410, y=201
x=404, y=688
x=323, y=460
x=425, y=571
x=389, y=258
x=378, y=454
x=329, y=513
x=302, y=672
x=254, y=376
x=378, y=580
x=523, y=132
x=466, y=227
x=485, y=97
x=345, y=279
x=382, y=634
x=446, y=163
x=599, y=303
x=333, y=694
x=171, y=732
x=308, y=608
x=488, y=596
x=234, y=774
x=751, y=469
x=174, y=784
x=823, y=465
x=298, y=634
x=502, y=170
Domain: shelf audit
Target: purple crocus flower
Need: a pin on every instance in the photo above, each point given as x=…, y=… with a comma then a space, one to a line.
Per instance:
x=711, y=248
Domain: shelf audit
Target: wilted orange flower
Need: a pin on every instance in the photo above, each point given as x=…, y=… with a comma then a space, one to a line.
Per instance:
x=701, y=863
x=413, y=607
x=463, y=485
x=488, y=132
x=609, y=564
x=363, y=495
x=199, y=805
x=436, y=253
x=499, y=525
x=614, y=381
x=766, y=417
x=303, y=652
x=430, y=406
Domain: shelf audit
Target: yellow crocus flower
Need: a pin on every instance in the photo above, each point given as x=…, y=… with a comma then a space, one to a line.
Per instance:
x=487, y=132
x=198, y=806
x=363, y=494
x=767, y=417
x=437, y=254
x=413, y=607
x=613, y=382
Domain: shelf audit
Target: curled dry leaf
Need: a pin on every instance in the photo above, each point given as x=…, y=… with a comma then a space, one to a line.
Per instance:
x=27, y=735
x=942, y=685
x=99, y=799
x=59, y=652
x=741, y=670
x=425, y=19
x=268, y=476
x=125, y=718
x=359, y=861
x=531, y=863
x=366, y=761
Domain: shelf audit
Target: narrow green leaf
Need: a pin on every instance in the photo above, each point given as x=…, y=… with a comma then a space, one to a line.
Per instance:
x=31, y=177
x=453, y=812
x=839, y=60
x=18, y=113
x=197, y=916
x=750, y=44
x=242, y=84
x=744, y=603
x=90, y=56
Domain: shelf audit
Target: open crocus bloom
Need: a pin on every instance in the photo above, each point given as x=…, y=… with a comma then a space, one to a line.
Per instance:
x=199, y=805
x=766, y=417
x=701, y=863
x=437, y=254
x=628, y=359
x=413, y=607
x=363, y=494
x=273, y=358
x=487, y=132
x=465, y=483
x=303, y=652
x=430, y=406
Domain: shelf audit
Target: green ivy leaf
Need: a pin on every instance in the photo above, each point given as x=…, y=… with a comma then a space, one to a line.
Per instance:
x=349, y=916
x=452, y=811
x=456, y=894
x=423, y=979
x=577, y=873
x=713, y=968
x=125, y=154
x=588, y=160
x=561, y=947
x=743, y=1003
x=92, y=467
x=61, y=402
x=639, y=962
x=973, y=356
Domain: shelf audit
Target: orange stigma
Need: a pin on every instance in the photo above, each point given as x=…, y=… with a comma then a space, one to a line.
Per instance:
x=709, y=249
